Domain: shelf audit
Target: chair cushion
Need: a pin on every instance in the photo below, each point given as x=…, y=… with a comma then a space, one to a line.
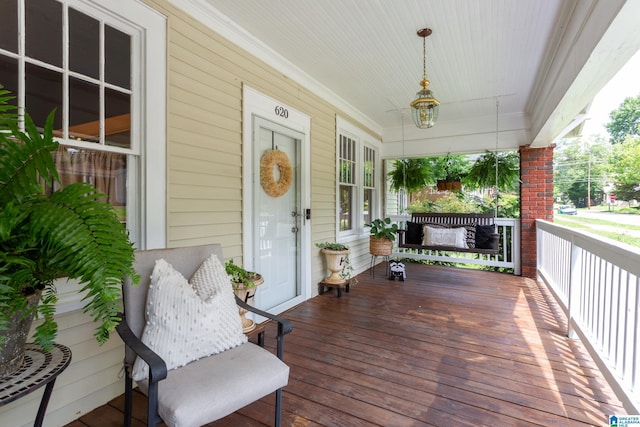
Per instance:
x=189, y=320
x=216, y=386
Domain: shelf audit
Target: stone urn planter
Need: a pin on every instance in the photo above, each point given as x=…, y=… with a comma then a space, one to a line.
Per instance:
x=335, y=260
x=246, y=294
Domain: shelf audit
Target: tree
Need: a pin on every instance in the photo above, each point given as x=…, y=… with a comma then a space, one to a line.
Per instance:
x=625, y=168
x=576, y=164
x=625, y=120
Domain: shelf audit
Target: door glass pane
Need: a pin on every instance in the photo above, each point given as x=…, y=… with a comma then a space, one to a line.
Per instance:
x=84, y=111
x=117, y=119
x=84, y=44
x=9, y=76
x=43, y=93
x=9, y=25
x=117, y=51
x=44, y=31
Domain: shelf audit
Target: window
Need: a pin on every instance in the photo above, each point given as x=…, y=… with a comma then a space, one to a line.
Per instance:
x=368, y=182
x=357, y=200
x=347, y=171
x=78, y=58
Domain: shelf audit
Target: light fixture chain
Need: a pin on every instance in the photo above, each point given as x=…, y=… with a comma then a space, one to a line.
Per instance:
x=424, y=56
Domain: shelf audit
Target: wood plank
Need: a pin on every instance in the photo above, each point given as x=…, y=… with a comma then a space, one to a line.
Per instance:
x=446, y=347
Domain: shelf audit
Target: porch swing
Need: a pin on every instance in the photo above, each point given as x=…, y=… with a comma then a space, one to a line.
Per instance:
x=454, y=232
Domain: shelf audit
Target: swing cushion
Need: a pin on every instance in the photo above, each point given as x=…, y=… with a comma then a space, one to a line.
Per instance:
x=484, y=236
x=414, y=233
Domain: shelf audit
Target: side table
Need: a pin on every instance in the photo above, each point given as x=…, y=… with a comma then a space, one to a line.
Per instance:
x=39, y=368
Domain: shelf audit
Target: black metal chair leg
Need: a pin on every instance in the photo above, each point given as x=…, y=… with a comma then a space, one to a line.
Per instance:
x=128, y=398
x=278, y=407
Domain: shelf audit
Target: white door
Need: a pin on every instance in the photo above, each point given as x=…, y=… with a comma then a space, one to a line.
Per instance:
x=277, y=214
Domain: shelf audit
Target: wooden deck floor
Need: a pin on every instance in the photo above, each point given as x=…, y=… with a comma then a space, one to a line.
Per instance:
x=447, y=347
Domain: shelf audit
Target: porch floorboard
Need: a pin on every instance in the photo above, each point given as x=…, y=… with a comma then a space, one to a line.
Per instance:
x=446, y=347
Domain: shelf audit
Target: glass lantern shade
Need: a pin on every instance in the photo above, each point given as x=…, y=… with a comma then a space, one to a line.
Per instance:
x=425, y=107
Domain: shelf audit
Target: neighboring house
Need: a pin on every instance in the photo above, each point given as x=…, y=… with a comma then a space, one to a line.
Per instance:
x=190, y=114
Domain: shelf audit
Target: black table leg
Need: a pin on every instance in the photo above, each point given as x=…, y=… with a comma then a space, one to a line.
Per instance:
x=42, y=409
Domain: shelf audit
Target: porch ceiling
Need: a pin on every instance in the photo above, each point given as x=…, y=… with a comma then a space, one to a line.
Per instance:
x=543, y=60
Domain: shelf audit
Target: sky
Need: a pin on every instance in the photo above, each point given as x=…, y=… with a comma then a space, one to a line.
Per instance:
x=626, y=83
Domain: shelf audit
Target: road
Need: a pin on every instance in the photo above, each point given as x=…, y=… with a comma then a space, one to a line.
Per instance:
x=610, y=216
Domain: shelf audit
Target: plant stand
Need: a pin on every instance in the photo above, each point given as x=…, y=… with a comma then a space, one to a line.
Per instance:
x=327, y=286
x=41, y=369
x=372, y=264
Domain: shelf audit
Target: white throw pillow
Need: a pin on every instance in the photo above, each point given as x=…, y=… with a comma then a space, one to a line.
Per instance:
x=453, y=237
x=188, y=320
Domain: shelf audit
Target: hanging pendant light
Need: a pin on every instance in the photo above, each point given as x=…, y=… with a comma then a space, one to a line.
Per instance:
x=425, y=107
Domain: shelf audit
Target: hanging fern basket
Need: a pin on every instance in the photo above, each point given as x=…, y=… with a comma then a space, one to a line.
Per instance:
x=446, y=185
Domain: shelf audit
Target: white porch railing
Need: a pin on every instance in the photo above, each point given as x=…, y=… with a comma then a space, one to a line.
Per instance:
x=508, y=257
x=596, y=281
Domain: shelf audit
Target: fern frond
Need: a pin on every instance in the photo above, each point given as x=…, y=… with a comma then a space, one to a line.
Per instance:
x=22, y=161
x=81, y=237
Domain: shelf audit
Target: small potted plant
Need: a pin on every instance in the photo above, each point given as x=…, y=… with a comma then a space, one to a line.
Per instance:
x=70, y=232
x=383, y=234
x=337, y=257
x=244, y=284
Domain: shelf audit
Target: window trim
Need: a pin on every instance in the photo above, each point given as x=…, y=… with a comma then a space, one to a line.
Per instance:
x=363, y=139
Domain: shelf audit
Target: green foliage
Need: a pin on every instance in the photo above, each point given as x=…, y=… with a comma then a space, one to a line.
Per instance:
x=452, y=167
x=383, y=228
x=411, y=174
x=239, y=275
x=483, y=171
x=415, y=174
x=332, y=246
x=576, y=163
x=625, y=120
x=72, y=232
x=508, y=206
x=625, y=168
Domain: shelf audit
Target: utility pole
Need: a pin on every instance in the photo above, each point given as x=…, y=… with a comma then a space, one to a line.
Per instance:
x=589, y=184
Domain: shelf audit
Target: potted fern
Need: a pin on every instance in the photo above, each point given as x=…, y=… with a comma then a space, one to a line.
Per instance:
x=71, y=232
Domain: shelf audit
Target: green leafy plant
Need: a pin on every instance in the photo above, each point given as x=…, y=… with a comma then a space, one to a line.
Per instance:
x=240, y=276
x=383, y=228
x=483, y=172
x=70, y=232
x=332, y=246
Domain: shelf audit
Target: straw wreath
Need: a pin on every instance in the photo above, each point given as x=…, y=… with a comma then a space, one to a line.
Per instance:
x=270, y=159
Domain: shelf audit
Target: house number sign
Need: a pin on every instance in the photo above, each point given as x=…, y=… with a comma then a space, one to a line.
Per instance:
x=282, y=112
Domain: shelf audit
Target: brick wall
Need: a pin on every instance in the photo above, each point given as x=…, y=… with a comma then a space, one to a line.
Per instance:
x=536, y=200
